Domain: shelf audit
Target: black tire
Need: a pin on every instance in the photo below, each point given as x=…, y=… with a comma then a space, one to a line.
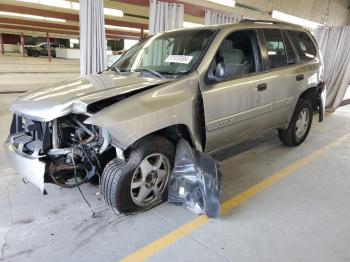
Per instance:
x=117, y=175
x=35, y=54
x=289, y=136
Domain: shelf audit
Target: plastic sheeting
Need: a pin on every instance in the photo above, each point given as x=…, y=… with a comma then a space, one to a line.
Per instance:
x=334, y=44
x=213, y=18
x=93, y=57
x=195, y=181
x=165, y=16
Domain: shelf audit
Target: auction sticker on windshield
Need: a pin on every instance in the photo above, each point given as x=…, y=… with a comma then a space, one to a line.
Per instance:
x=182, y=59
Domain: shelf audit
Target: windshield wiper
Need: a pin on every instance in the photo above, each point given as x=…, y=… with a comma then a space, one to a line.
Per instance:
x=174, y=73
x=113, y=68
x=155, y=73
x=117, y=70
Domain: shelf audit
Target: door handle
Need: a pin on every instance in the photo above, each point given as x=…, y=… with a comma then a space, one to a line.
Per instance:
x=299, y=77
x=261, y=87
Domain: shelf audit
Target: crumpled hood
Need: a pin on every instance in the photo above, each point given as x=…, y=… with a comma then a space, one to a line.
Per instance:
x=74, y=95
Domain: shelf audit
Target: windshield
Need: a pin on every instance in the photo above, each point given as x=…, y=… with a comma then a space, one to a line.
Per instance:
x=170, y=53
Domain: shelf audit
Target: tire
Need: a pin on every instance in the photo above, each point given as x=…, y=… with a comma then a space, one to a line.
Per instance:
x=119, y=176
x=294, y=135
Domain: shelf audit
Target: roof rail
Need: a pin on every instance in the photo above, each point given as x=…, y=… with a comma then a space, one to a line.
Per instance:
x=253, y=21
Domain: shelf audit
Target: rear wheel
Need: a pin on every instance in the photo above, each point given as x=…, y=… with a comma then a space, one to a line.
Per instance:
x=299, y=125
x=141, y=182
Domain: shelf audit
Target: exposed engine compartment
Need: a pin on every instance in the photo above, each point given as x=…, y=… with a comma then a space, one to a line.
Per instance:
x=74, y=152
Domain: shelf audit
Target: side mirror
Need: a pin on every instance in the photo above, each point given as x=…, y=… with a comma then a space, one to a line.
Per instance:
x=220, y=70
x=216, y=72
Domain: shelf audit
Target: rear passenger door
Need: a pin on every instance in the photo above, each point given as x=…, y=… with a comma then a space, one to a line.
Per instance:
x=307, y=68
x=279, y=62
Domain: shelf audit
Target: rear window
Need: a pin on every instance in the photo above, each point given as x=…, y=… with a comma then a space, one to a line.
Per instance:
x=303, y=44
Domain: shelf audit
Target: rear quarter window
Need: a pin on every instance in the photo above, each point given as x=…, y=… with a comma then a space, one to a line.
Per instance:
x=303, y=44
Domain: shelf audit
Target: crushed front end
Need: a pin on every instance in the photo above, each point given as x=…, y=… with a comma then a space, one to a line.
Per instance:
x=64, y=151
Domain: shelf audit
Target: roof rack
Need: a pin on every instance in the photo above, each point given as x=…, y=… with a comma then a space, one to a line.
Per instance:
x=253, y=21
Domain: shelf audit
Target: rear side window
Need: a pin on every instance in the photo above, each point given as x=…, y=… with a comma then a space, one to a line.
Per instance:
x=289, y=49
x=275, y=48
x=303, y=44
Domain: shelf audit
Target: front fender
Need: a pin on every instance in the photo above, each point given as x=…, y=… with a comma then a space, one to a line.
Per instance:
x=137, y=116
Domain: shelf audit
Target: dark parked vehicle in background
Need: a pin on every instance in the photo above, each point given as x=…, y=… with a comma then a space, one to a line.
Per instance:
x=40, y=49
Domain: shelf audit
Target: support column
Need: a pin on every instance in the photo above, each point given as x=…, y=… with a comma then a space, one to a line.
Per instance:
x=22, y=45
x=48, y=46
x=2, y=44
x=93, y=45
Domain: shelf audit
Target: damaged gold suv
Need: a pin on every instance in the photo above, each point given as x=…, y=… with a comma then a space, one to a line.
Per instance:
x=213, y=86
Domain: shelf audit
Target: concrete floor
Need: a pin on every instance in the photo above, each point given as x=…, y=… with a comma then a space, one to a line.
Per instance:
x=303, y=217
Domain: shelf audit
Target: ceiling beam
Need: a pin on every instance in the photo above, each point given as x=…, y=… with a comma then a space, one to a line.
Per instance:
x=190, y=9
x=126, y=24
x=62, y=15
x=16, y=21
x=40, y=12
x=37, y=29
x=75, y=31
x=54, y=35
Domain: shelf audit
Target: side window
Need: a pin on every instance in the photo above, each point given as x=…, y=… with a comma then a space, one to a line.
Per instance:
x=238, y=55
x=303, y=44
x=275, y=48
x=289, y=49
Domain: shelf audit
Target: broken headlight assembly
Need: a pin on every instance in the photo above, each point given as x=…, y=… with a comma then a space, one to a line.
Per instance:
x=76, y=153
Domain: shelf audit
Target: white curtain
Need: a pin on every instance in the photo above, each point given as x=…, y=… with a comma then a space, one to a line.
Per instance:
x=213, y=18
x=93, y=57
x=334, y=43
x=165, y=16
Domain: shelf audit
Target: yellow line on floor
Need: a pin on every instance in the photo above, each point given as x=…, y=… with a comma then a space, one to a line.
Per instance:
x=165, y=241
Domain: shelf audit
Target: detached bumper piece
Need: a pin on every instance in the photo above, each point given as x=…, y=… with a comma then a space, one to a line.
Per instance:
x=27, y=165
x=195, y=181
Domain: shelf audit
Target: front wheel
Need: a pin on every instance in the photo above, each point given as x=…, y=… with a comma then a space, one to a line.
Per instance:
x=299, y=125
x=141, y=182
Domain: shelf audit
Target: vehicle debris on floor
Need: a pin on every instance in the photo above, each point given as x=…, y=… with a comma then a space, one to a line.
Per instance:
x=195, y=181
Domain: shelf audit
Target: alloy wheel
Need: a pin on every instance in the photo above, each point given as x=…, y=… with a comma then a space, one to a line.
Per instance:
x=150, y=179
x=302, y=123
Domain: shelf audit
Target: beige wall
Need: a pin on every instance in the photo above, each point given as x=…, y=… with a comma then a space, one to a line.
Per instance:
x=314, y=10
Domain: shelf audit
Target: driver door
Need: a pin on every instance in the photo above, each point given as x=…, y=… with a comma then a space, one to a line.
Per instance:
x=236, y=99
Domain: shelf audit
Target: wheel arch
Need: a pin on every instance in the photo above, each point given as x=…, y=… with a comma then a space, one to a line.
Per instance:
x=173, y=133
x=317, y=97
x=311, y=95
